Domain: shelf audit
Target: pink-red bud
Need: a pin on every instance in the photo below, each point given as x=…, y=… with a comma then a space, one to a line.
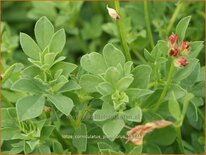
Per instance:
x=174, y=52
x=184, y=45
x=173, y=39
x=180, y=62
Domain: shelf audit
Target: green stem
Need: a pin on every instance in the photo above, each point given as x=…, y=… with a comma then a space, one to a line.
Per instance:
x=179, y=140
x=122, y=33
x=186, y=102
x=173, y=19
x=72, y=121
x=148, y=26
x=138, y=55
x=169, y=80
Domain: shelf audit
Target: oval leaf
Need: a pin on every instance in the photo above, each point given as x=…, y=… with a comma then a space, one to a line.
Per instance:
x=29, y=46
x=29, y=107
x=44, y=31
x=57, y=42
x=62, y=103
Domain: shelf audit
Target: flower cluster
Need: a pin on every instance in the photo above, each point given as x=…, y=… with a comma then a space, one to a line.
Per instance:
x=136, y=134
x=179, y=50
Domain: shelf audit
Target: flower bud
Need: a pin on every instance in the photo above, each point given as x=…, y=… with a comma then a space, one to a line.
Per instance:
x=185, y=48
x=113, y=13
x=174, y=52
x=180, y=62
x=173, y=39
x=184, y=45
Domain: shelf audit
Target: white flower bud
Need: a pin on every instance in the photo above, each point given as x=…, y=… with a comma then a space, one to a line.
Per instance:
x=113, y=13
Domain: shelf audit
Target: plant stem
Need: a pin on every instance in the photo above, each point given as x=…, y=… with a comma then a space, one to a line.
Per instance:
x=173, y=19
x=138, y=55
x=122, y=32
x=169, y=80
x=148, y=26
x=186, y=102
x=179, y=140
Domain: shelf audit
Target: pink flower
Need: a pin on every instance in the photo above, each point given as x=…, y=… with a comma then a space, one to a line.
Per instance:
x=184, y=45
x=174, y=52
x=173, y=39
x=180, y=62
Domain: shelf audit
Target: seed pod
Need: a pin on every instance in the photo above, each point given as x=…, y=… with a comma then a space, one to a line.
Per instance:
x=113, y=13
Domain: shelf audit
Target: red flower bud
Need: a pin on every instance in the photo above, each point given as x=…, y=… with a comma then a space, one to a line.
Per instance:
x=173, y=39
x=174, y=52
x=180, y=62
x=184, y=45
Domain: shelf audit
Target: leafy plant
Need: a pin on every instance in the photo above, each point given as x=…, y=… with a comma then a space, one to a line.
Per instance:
x=109, y=103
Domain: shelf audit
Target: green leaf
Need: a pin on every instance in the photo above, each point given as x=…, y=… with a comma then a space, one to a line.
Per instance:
x=8, y=133
x=105, y=148
x=69, y=86
x=148, y=56
x=136, y=93
x=182, y=27
x=124, y=83
x=44, y=31
x=201, y=75
x=112, y=75
x=31, y=72
x=29, y=46
x=44, y=149
x=104, y=114
x=29, y=107
x=7, y=119
x=62, y=103
x=157, y=136
x=8, y=72
x=128, y=67
x=93, y=63
x=183, y=73
x=89, y=81
x=57, y=147
x=151, y=148
x=67, y=68
x=47, y=131
x=133, y=115
x=196, y=47
x=174, y=107
x=80, y=140
x=141, y=76
x=112, y=55
x=136, y=150
x=112, y=128
x=192, y=113
x=191, y=79
x=29, y=146
x=178, y=91
x=57, y=42
x=105, y=88
x=49, y=59
x=29, y=85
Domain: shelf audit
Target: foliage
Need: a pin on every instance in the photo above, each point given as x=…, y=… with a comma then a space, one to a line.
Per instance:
x=61, y=97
